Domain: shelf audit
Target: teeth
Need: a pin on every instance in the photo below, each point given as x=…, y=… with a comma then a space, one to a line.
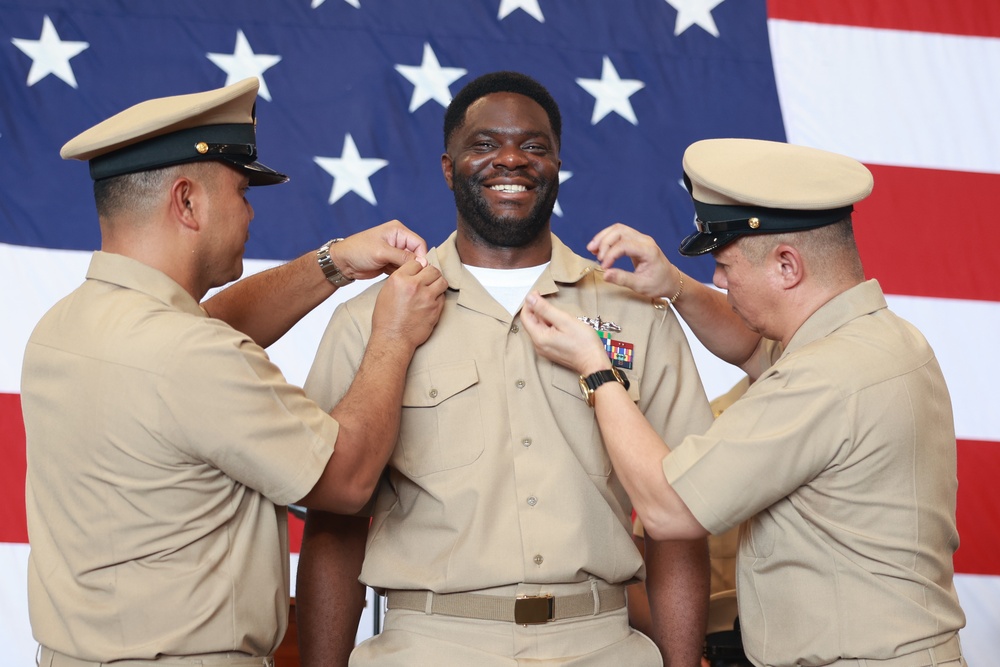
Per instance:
x=509, y=188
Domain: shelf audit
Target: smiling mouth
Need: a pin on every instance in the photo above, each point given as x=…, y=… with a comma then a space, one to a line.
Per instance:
x=508, y=188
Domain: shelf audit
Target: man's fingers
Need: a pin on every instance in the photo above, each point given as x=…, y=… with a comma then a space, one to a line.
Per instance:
x=430, y=275
x=621, y=277
x=400, y=236
x=424, y=273
x=545, y=313
x=603, y=236
x=395, y=258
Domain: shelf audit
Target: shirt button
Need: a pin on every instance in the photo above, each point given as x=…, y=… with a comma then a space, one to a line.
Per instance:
x=433, y=393
x=514, y=328
x=532, y=501
x=526, y=442
x=519, y=384
x=538, y=559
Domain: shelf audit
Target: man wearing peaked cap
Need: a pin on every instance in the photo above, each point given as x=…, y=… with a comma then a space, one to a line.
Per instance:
x=841, y=454
x=162, y=443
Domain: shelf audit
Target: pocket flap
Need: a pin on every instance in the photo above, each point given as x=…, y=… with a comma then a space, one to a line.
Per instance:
x=569, y=382
x=428, y=387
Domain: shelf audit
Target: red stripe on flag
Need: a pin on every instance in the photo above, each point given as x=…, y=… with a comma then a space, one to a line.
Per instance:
x=925, y=232
x=296, y=527
x=978, y=507
x=955, y=17
x=13, y=524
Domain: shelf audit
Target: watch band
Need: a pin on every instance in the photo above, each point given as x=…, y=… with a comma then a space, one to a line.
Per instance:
x=590, y=383
x=330, y=269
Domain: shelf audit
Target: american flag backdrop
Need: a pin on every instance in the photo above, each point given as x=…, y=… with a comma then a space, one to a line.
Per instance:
x=351, y=105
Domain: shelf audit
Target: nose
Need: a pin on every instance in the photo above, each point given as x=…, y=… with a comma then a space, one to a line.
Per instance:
x=719, y=278
x=510, y=156
x=250, y=210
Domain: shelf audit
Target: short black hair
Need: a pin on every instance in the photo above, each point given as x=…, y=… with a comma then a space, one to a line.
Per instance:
x=500, y=82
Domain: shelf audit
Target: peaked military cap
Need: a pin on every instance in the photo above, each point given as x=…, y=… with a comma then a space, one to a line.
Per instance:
x=217, y=124
x=751, y=186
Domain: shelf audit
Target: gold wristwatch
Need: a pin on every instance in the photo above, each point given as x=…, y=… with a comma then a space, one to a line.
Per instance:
x=590, y=383
x=330, y=269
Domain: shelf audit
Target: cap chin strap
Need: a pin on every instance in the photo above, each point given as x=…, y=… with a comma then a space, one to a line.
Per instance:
x=234, y=142
x=721, y=219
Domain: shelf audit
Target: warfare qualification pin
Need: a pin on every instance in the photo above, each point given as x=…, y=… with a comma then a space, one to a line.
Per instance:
x=618, y=351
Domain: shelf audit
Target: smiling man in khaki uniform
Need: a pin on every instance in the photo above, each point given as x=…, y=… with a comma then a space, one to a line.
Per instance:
x=162, y=443
x=840, y=456
x=500, y=486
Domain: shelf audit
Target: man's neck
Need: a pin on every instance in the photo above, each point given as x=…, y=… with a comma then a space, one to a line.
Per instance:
x=152, y=254
x=809, y=301
x=476, y=252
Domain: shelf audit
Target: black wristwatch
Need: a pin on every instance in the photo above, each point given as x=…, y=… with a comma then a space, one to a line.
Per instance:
x=330, y=269
x=591, y=382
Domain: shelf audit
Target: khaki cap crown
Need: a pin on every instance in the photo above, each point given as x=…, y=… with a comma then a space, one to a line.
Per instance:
x=217, y=124
x=752, y=186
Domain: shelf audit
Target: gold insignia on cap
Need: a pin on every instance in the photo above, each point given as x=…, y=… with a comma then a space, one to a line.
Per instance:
x=754, y=223
x=201, y=147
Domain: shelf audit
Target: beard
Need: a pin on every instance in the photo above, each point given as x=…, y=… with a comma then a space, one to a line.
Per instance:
x=503, y=231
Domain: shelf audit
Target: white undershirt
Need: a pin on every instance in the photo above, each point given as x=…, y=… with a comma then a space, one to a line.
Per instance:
x=507, y=286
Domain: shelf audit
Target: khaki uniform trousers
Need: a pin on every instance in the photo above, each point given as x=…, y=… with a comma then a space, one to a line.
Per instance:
x=419, y=639
x=50, y=658
x=948, y=654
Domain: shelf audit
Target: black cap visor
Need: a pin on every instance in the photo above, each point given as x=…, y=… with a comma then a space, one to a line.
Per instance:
x=259, y=174
x=719, y=225
x=699, y=243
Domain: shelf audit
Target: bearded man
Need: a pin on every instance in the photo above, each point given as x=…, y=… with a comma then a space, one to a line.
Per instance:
x=501, y=534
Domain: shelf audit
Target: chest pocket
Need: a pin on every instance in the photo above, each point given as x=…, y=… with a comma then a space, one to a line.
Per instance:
x=441, y=425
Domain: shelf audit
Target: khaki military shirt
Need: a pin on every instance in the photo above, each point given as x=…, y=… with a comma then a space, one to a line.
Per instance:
x=500, y=475
x=842, y=457
x=162, y=445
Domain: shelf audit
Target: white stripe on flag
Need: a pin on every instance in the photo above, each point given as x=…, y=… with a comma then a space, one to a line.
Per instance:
x=963, y=335
x=890, y=96
x=15, y=632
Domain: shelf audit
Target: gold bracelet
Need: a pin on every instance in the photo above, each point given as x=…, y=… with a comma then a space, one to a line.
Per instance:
x=680, y=288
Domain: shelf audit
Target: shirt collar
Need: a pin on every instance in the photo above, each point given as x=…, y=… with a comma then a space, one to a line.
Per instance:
x=134, y=275
x=565, y=266
x=862, y=299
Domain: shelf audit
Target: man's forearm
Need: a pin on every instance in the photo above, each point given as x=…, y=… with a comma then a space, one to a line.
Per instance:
x=714, y=323
x=266, y=305
x=677, y=584
x=329, y=598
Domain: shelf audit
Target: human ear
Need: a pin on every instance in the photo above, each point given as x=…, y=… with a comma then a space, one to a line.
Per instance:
x=448, y=169
x=789, y=263
x=181, y=207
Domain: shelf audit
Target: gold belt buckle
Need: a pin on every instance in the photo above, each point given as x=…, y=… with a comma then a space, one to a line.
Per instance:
x=533, y=609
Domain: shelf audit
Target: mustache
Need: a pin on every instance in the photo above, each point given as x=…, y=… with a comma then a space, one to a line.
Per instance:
x=535, y=180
